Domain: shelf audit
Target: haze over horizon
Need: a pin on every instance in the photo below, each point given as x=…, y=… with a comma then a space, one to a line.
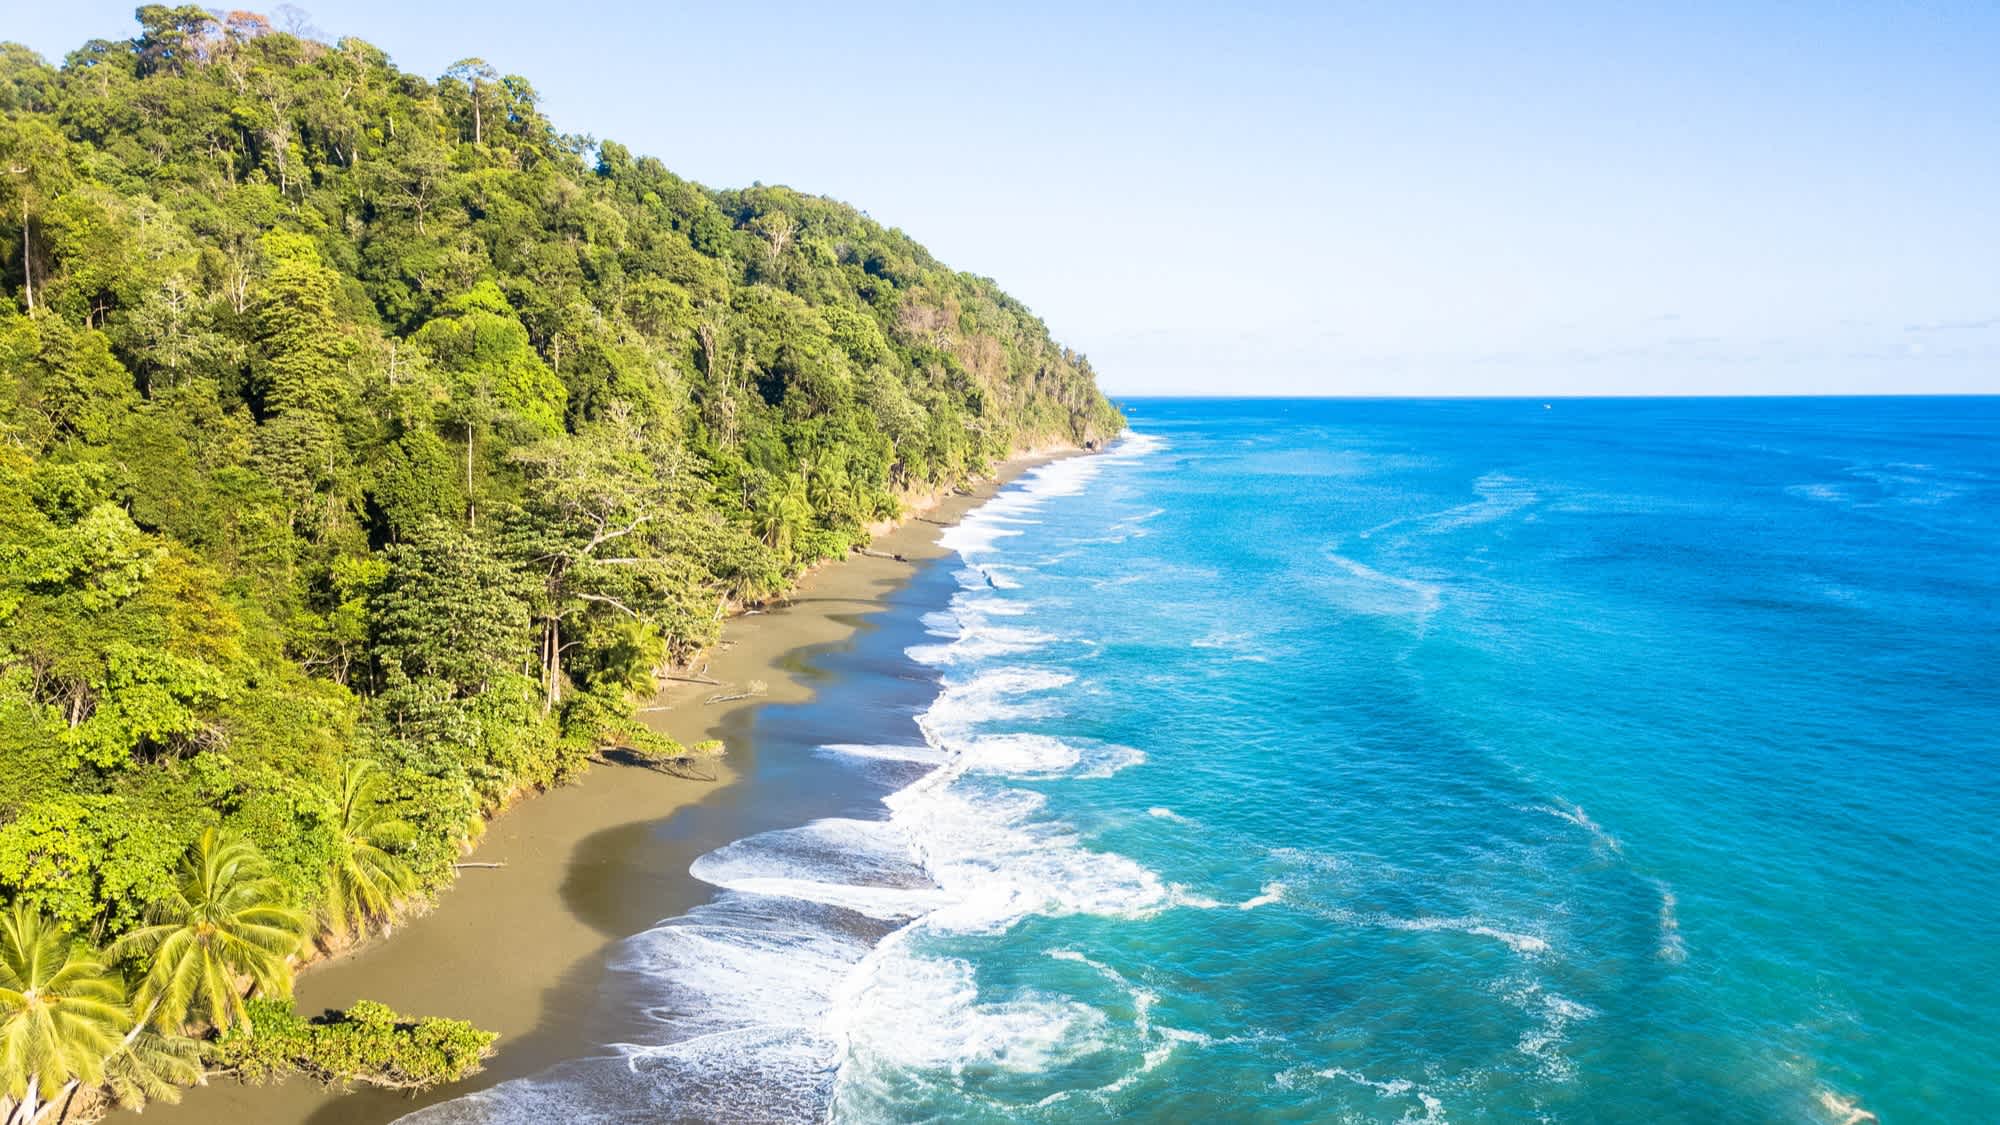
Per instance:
x=1350, y=200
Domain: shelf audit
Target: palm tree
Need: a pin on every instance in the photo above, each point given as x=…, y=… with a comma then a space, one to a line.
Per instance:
x=61, y=1014
x=150, y=1067
x=366, y=881
x=780, y=512
x=225, y=919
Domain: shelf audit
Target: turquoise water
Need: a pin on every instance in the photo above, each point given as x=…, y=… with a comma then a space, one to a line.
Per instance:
x=1392, y=761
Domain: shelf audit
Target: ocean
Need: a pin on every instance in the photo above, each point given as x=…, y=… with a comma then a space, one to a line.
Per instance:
x=1323, y=760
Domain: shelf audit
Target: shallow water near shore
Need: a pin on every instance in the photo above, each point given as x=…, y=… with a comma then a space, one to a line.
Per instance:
x=523, y=948
x=1376, y=761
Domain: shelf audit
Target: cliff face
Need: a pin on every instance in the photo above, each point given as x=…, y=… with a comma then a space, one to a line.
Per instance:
x=347, y=415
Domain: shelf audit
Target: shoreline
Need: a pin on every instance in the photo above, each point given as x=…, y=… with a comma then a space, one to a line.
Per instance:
x=518, y=949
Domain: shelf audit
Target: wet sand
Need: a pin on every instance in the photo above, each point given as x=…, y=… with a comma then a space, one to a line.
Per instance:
x=520, y=949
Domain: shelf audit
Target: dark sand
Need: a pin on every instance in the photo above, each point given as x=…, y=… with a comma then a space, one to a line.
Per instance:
x=520, y=949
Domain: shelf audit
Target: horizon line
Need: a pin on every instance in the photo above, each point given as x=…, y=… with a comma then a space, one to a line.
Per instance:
x=1514, y=397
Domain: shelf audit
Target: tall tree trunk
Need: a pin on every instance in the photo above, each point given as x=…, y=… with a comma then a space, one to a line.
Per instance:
x=551, y=664
x=27, y=255
x=471, y=505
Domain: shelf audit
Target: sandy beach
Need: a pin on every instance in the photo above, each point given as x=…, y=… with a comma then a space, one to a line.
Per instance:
x=519, y=948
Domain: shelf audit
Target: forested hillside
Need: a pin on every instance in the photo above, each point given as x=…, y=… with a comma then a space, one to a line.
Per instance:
x=366, y=446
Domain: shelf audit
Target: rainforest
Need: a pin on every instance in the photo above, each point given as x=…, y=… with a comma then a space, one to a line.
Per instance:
x=368, y=449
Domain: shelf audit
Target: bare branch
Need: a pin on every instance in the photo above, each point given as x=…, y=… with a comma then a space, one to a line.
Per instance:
x=604, y=537
x=614, y=602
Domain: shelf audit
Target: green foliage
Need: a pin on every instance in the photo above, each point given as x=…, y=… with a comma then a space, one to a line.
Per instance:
x=226, y=918
x=367, y=879
x=367, y=1043
x=494, y=373
x=145, y=695
x=90, y=862
x=149, y=1067
x=61, y=1011
x=348, y=417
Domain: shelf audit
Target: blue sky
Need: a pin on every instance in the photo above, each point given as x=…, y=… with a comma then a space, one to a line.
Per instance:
x=1366, y=198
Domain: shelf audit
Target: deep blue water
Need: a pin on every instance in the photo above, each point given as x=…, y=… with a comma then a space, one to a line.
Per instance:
x=1378, y=761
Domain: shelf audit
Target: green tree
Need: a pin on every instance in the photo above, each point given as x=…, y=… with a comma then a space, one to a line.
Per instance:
x=225, y=919
x=61, y=1014
x=594, y=529
x=780, y=513
x=367, y=880
x=150, y=1067
x=448, y=609
x=35, y=166
x=496, y=377
x=302, y=377
x=479, y=79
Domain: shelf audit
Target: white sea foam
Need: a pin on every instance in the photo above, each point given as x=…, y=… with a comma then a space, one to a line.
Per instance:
x=990, y=696
x=1430, y=1104
x=993, y=852
x=1363, y=589
x=1499, y=496
x=999, y=859
x=971, y=537
x=1136, y=524
x=1672, y=948
x=866, y=866
x=1162, y=1041
x=805, y=974
x=756, y=1074
x=904, y=1013
x=970, y=611
x=1522, y=943
x=1121, y=580
x=988, y=577
x=979, y=642
x=1238, y=645
x=1042, y=755
x=930, y=755
x=1271, y=892
x=739, y=961
x=913, y=1012
x=1844, y=1110
x=970, y=607
x=1554, y=1014
x=740, y=989
x=1574, y=814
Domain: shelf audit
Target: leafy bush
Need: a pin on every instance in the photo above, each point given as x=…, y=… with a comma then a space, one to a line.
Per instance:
x=367, y=1043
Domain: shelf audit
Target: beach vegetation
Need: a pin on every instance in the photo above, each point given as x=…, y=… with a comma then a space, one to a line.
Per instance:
x=225, y=920
x=149, y=1066
x=367, y=879
x=62, y=1012
x=369, y=1043
x=369, y=448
